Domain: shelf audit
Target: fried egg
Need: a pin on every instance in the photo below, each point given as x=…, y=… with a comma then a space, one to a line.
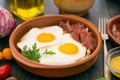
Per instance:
x=68, y=51
x=43, y=37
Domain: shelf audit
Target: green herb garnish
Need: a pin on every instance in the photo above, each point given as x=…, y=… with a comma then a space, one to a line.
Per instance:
x=103, y=78
x=34, y=53
x=48, y=53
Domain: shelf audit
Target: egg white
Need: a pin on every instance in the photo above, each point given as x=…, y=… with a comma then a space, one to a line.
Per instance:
x=30, y=37
x=60, y=58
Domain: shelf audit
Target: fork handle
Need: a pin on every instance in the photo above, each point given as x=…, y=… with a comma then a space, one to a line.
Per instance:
x=106, y=70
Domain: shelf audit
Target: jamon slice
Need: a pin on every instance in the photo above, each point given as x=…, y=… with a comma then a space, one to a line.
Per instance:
x=116, y=31
x=80, y=33
x=90, y=42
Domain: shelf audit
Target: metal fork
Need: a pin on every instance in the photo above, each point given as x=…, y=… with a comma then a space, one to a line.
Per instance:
x=102, y=29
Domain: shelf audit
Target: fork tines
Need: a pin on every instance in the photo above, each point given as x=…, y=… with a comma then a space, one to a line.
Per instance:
x=102, y=25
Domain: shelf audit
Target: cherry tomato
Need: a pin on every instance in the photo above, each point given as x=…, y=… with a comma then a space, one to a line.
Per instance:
x=5, y=70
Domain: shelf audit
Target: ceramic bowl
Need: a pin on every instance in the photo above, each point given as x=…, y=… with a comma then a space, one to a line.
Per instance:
x=78, y=7
x=110, y=58
x=53, y=70
x=115, y=21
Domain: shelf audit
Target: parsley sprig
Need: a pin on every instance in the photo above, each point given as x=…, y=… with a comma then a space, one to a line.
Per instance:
x=34, y=53
x=47, y=53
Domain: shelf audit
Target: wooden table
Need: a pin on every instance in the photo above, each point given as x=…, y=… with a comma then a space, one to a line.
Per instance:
x=101, y=8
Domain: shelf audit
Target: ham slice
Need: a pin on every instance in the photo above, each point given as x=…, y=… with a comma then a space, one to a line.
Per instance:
x=116, y=31
x=90, y=42
x=80, y=33
x=83, y=35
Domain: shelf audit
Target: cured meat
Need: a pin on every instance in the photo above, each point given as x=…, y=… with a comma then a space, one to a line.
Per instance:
x=83, y=35
x=75, y=36
x=116, y=31
x=80, y=33
x=90, y=42
x=64, y=26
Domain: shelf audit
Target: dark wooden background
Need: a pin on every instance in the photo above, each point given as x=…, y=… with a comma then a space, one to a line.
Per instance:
x=101, y=8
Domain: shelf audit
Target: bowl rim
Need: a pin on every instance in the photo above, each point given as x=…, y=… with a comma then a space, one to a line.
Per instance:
x=38, y=65
x=109, y=24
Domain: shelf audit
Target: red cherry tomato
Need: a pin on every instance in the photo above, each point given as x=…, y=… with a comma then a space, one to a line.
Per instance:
x=5, y=70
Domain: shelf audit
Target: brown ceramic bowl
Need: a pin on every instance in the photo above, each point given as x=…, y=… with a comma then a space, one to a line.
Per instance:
x=53, y=70
x=113, y=21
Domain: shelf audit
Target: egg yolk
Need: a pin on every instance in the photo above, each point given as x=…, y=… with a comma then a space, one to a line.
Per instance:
x=45, y=37
x=115, y=63
x=68, y=48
